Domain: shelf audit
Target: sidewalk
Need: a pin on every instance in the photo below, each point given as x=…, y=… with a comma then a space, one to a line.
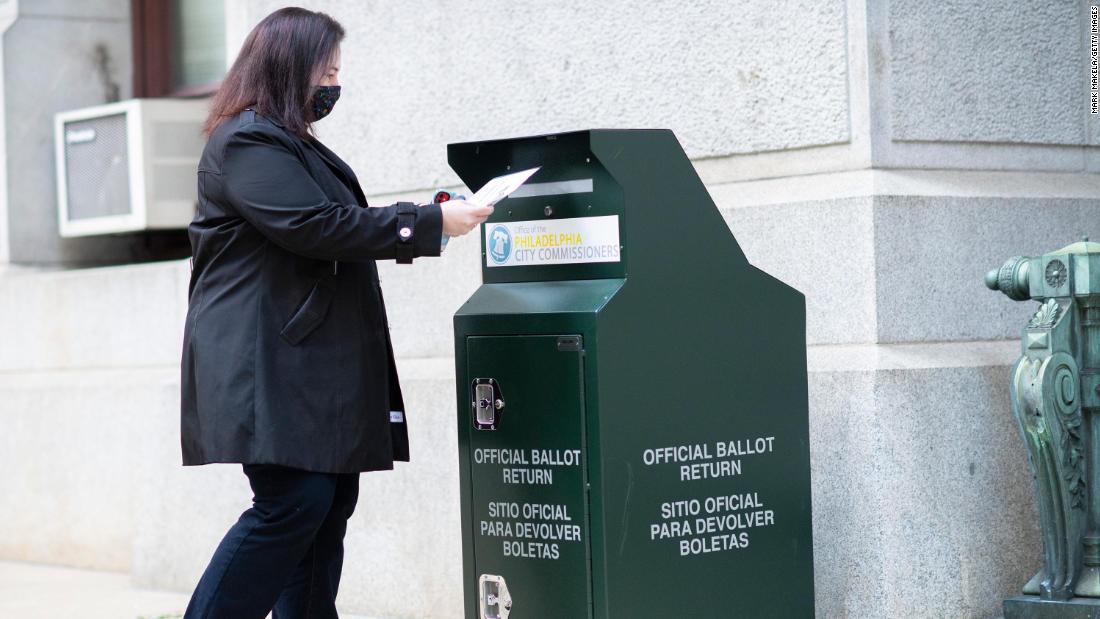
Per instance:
x=31, y=591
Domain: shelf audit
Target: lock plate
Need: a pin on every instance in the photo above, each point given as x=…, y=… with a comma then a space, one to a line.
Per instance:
x=496, y=602
x=487, y=403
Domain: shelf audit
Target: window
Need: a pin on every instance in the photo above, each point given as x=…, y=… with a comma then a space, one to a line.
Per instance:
x=179, y=47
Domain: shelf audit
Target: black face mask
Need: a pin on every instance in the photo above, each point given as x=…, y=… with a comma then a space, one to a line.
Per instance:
x=324, y=98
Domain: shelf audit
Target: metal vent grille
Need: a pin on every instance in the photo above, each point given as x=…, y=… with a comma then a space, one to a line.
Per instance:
x=97, y=167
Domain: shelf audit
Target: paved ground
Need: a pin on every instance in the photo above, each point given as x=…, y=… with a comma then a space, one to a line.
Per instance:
x=29, y=591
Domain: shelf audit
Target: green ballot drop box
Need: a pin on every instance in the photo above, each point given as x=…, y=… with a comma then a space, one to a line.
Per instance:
x=632, y=406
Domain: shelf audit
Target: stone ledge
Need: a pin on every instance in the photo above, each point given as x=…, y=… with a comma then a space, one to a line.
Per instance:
x=1030, y=607
x=824, y=358
x=820, y=358
x=858, y=183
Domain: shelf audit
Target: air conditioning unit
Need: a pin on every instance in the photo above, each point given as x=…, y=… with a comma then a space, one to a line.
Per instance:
x=128, y=166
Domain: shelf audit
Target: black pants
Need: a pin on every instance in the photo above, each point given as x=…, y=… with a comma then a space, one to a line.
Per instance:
x=285, y=553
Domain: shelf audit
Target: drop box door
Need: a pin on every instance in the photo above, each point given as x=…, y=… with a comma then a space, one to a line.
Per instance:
x=528, y=474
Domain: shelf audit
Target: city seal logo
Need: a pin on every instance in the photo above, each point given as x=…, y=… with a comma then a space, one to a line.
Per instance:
x=500, y=244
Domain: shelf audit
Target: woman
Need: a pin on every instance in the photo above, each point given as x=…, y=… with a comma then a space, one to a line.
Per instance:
x=287, y=364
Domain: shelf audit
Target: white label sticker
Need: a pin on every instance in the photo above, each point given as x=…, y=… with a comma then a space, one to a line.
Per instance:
x=397, y=417
x=552, y=241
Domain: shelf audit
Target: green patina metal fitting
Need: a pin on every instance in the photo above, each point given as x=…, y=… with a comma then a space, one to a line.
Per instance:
x=1055, y=392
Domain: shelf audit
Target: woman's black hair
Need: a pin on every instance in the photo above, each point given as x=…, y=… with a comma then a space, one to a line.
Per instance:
x=279, y=65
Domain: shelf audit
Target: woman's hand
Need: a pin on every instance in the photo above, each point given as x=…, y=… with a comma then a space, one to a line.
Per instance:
x=460, y=216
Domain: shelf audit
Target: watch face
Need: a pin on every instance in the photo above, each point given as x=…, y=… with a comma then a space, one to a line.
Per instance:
x=1056, y=274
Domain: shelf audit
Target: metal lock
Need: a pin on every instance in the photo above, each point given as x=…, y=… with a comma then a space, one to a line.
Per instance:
x=496, y=603
x=487, y=403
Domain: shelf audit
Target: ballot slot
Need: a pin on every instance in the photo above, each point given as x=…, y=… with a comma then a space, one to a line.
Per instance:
x=553, y=188
x=566, y=222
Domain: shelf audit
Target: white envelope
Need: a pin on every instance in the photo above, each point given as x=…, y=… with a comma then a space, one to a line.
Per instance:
x=498, y=188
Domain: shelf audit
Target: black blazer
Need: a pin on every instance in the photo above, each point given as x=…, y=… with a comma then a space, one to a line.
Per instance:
x=286, y=350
